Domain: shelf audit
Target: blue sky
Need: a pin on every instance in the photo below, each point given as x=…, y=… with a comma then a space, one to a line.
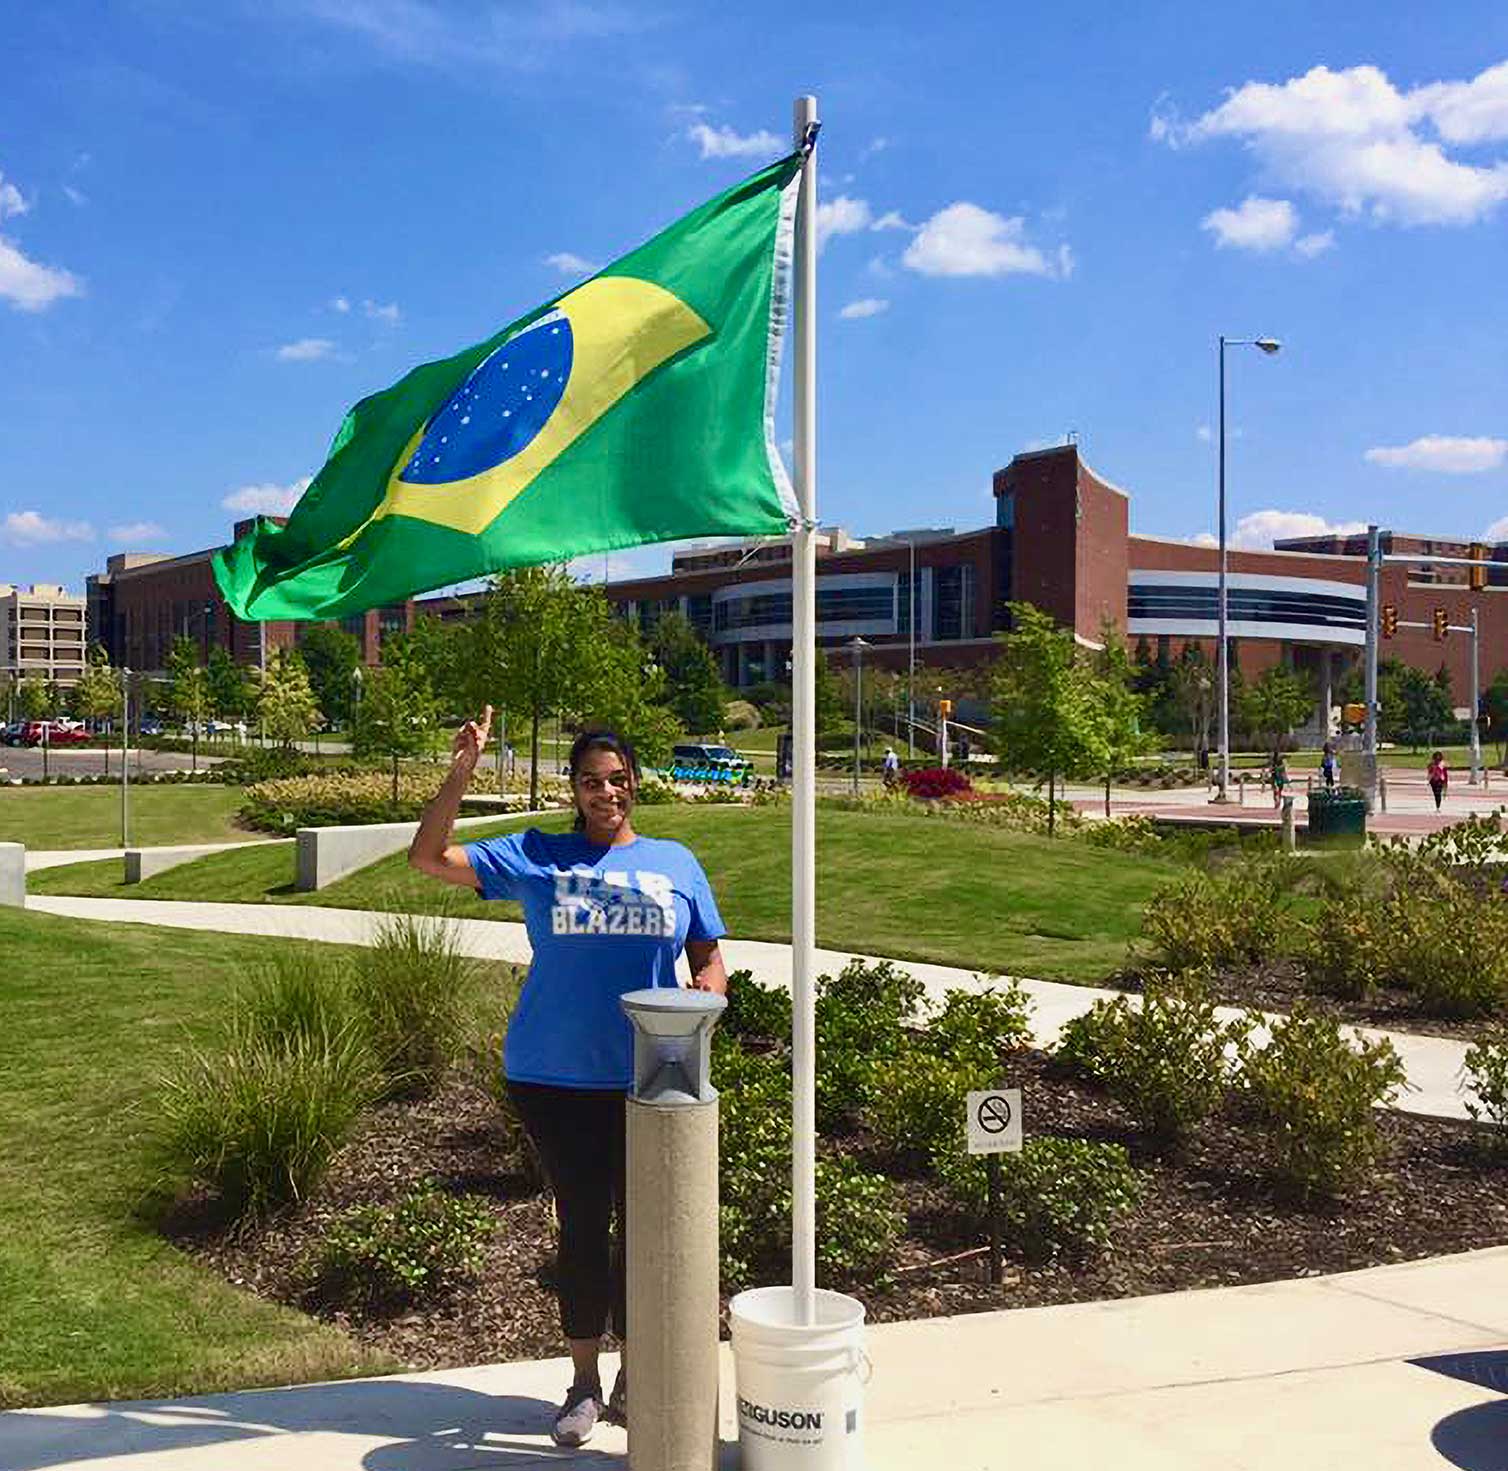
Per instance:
x=221, y=223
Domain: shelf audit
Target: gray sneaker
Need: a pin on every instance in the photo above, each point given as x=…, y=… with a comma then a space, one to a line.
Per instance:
x=617, y=1402
x=577, y=1417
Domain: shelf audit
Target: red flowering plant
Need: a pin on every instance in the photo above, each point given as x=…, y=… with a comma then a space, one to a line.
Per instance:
x=937, y=782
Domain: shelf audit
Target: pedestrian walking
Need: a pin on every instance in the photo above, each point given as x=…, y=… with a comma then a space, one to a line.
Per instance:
x=1279, y=775
x=1329, y=767
x=892, y=766
x=607, y=912
x=1439, y=777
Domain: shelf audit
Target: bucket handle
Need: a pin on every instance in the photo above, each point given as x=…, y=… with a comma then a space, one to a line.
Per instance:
x=864, y=1367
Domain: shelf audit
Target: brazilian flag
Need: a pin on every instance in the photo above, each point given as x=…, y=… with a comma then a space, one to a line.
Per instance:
x=638, y=407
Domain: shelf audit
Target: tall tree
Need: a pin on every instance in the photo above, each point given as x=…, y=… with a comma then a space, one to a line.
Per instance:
x=1274, y=703
x=442, y=650
x=188, y=690
x=1192, y=682
x=231, y=693
x=694, y=688
x=1047, y=706
x=285, y=704
x=398, y=712
x=330, y=656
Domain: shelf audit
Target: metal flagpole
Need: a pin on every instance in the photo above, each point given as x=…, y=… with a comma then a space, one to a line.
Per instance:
x=804, y=741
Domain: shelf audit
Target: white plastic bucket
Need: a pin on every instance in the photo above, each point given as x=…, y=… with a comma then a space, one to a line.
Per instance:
x=800, y=1385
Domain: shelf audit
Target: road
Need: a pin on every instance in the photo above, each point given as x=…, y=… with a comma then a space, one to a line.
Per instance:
x=25, y=762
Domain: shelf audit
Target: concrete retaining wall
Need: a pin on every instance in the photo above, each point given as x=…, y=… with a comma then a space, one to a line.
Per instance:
x=143, y=863
x=329, y=853
x=13, y=875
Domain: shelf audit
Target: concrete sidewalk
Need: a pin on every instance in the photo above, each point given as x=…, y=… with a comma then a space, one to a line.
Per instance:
x=1433, y=1063
x=1391, y=1369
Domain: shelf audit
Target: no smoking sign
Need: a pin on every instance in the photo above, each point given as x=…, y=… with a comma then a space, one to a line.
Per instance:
x=995, y=1121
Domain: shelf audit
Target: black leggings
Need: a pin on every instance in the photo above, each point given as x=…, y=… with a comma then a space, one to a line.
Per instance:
x=579, y=1135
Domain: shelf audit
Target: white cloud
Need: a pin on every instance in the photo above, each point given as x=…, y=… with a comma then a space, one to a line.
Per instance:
x=138, y=533
x=340, y=304
x=31, y=528
x=879, y=266
x=1204, y=434
x=1318, y=243
x=76, y=197
x=267, y=499
x=841, y=216
x=388, y=314
x=966, y=240
x=874, y=146
x=305, y=350
x=11, y=200
x=1205, y=539
x=1498, y=531
x=892, y=219
x=723, y=142
x=1354, y=141
x=1261, y=528
x=31, y=287
x=570, y=265
x=1255, y=224
x=865, y=306
x=1443, y=453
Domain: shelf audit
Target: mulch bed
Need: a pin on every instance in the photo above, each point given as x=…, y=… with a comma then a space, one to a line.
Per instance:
x=1209, y=1218
x=1277, y=985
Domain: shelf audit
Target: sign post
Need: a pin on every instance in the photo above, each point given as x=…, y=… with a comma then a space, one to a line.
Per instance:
x=994, y=1128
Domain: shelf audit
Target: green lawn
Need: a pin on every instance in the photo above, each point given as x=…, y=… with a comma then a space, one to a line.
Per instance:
x=915, y=888
x=89, y=817
x=93, y=1304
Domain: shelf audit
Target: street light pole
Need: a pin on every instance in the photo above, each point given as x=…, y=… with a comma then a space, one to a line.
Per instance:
x=125, y=751
x=858, y=646
x=1476, y=695
x=1268, y=345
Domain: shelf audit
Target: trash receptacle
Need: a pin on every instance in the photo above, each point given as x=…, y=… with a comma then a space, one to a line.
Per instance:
x=1338, y=816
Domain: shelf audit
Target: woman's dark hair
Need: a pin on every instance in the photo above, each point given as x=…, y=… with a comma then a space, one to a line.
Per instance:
x=601, y=740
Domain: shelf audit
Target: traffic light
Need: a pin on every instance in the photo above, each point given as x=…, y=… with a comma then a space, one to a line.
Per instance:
x=1477, y=576
x=1440, y=623
x=945, y=708
x=1354, y=713
x=1389, y=620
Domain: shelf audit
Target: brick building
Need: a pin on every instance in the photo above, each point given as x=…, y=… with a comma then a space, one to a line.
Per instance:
x=143, y=602
x=1062, y=541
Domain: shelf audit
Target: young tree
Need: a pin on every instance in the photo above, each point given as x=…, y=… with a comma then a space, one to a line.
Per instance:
x=1124, y=710
x=230, y=689
x=694, y=688
x=1425, y=705
x=831, y=709
x=97, y=694
x=1047, y=704
x=1274, y=703
x=1192, y=682
x=398, y=713
x=330, y=656
x=188, y=690
x=285, y=704
x=32, y=698
x=442, y=651
x=1495, y=701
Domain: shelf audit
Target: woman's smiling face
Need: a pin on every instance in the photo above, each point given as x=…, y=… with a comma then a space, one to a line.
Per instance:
x=604, y=790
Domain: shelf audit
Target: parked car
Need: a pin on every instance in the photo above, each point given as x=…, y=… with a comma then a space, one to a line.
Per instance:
x=709, y=763
x=11, y=734
x=151, y=726
x=54, y=732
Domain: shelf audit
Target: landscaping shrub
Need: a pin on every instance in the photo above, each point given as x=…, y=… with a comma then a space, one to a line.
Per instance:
x=755, y=1010
x=295, y=996
x=652, y=792
x=257, y=1120
x=980, y=1029
x=1207, y=920
x=1058, y=1197
x=741, y=715
x=1314, y=1097
x=1486, y=1071
x=335, y=799
x=858, y=1222
x=933, y=782
x=1133, y=834
x=862, y=1016
x=1168, y=1062
x=921, y=1101
x=253, y=764
x=413, y=991
x=379, y=1257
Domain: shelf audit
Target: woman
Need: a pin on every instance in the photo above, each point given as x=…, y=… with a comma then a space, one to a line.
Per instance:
x=1439, y=777
x=607, y=912
x=1279, y=778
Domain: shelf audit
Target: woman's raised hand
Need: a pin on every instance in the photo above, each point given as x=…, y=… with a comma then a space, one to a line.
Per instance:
x=471, y=741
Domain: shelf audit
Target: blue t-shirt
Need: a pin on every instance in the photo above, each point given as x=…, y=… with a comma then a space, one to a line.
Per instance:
x=601, y=921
